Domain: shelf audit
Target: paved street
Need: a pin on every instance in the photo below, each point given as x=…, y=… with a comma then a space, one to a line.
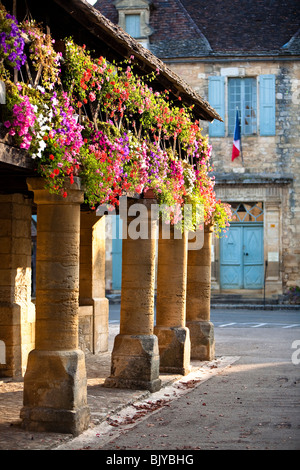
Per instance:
x=224, y=318
x=252, y=403
x=255, y=318
x=247, y=398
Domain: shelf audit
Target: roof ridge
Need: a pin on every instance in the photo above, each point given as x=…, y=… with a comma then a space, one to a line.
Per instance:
x=195, y=25
x=290, y=43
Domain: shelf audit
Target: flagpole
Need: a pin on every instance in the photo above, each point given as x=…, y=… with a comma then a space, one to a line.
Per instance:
x=241, y=148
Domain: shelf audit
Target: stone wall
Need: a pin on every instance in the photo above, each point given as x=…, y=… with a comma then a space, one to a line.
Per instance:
x=271, y=161
x=93, y=312
x=17, y=318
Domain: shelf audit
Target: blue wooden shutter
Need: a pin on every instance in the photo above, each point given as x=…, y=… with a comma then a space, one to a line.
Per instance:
x=267, y=104
x=133, y=25
x=216, y=98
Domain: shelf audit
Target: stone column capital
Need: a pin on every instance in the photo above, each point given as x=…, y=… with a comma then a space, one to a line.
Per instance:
x=75, y=192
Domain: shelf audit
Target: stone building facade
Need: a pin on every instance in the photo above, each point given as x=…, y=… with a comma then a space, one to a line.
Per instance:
x=244, y=59
x=267, y=173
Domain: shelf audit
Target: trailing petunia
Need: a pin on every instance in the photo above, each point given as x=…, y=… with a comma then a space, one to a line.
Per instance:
x=11, y=40
x=108, y=126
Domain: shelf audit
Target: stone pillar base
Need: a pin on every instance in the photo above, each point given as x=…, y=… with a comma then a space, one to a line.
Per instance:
x=202, y=340
x=174, y=349
x=55, y=392
x=135, y=363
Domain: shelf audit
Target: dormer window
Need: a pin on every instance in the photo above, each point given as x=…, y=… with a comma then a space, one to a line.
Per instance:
x=134, y=17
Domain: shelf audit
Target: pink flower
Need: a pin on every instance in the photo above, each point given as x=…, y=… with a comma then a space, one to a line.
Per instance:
x=92, y=96
x=7, y=124
x=23, y=145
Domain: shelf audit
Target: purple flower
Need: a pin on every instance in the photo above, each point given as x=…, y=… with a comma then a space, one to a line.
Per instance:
x=12, y=44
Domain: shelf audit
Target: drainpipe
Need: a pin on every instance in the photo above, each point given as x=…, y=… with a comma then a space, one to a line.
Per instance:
x=265, y=275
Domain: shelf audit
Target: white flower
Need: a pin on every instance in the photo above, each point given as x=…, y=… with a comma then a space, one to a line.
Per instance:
x=41, y=89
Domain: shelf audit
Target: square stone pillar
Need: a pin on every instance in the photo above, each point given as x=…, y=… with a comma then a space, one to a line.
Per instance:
x=173, y=336
x=135, y=355
x=92, y=278
x=273, y=249
x=17, y=312
x=198, y=300
x=55, y=386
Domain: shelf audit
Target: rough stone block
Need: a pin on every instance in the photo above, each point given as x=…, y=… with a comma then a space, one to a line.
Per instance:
x=135, y=363
x=202, y=340
x=174, y=349
x=55, y=392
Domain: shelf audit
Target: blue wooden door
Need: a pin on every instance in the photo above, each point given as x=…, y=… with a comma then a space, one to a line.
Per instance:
x=253, y=257
x=241, y=257
x=231, y=266
x=116, y=253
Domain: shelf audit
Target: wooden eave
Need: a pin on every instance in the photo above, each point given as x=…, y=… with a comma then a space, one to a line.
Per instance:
x=121, y=45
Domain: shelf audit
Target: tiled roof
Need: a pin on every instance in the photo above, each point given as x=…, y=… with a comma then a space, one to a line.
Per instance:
x=108, y=9
x=246, y=25
x=190, y=28
x=175, y=32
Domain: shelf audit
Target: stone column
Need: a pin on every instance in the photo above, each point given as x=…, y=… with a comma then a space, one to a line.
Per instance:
x=135, y=355
x=55, y=386
x=92, y=281
x=173, y=336
x=198, y=300
x=17, y=312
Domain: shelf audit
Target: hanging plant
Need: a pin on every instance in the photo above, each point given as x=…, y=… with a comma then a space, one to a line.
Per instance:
x=11, y=41
x=44, y=58
x=132, y=138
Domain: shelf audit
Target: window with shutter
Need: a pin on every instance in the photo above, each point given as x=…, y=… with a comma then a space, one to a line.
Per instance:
x=242, y=96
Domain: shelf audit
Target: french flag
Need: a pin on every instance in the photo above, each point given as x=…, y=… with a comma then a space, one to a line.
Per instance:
x=236, y=148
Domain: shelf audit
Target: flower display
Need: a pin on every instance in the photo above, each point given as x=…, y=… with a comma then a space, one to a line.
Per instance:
x=44, y=58
x=11, y=40
x=22, y=123
x=102, y=122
